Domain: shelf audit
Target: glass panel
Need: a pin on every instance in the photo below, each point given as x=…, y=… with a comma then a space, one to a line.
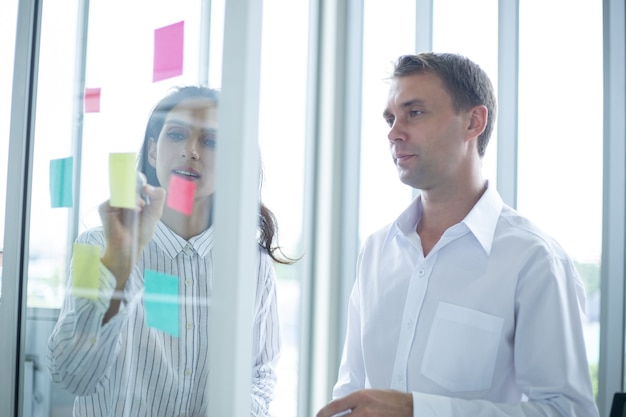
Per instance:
x=282, y=131
x=561, y=134
x=134, y=56
x=461, y=27
x=8, y=19
x=382, y=195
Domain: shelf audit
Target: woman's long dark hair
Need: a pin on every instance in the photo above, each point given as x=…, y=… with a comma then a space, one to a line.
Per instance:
x=267, y=226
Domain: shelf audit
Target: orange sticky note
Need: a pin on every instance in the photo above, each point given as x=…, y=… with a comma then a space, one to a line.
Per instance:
x=180, y=194
x=85, y=270
x=123, y=179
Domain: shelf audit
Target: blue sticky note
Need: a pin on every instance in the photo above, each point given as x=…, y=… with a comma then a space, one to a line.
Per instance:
x=61, y=182
x=161, y=301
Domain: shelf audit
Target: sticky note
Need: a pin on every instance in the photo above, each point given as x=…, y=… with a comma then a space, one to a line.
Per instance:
x=180, y=194
x=168, y=51
x=61, y=173
x=85, y=270
x=161, y=301
x=123, y=179
x=92, y=100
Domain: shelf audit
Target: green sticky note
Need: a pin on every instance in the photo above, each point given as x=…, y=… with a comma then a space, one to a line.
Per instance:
x=123, y=179
x=85, y=270
x=161, y=301
x=61, y=182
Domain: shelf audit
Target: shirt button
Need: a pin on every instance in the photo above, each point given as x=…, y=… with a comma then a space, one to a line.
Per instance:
x=92, y=340
x=189, y=325
x=188, y=282
x=409, y=324
x=420, y=272
x=399, y=378
x=187, y=372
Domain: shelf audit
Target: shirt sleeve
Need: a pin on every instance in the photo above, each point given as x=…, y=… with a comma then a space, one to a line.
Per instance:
x=550, y=357
x=80, y=349
x=266, y=339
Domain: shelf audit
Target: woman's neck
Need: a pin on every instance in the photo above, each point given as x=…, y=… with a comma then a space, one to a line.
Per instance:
x=189, y=226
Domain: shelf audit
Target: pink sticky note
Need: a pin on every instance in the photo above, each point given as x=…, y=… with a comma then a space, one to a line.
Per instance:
x=180, y=194
x=92, y=100
x=168, y=51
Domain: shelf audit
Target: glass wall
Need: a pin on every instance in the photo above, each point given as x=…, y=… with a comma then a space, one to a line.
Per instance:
x=102, y=67
x=103, y=64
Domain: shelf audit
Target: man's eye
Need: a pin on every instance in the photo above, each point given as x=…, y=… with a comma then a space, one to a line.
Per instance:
x=389, y=121
x=415, y=113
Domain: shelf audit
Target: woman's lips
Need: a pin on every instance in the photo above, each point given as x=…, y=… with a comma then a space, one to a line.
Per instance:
x=187, y=173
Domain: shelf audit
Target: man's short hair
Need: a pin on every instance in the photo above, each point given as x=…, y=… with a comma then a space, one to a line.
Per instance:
x=466, y=82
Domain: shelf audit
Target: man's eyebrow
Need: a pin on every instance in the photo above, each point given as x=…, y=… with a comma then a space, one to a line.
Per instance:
x=408, y=103
x=412, y=102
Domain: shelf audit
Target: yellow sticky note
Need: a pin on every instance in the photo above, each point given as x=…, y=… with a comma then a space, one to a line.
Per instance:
x=85, y=270
x=123, y=179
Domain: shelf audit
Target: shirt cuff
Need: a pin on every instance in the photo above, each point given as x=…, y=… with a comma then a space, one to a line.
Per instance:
x=107, y=291
x=428, y=405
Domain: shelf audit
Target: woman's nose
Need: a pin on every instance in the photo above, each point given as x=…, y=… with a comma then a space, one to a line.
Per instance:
x=190, y=150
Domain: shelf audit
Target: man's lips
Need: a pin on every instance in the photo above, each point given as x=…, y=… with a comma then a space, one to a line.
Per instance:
x=403, y=157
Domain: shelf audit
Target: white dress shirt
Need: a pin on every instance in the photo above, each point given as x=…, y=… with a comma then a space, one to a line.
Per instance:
x=125, y=368
x=488, y=324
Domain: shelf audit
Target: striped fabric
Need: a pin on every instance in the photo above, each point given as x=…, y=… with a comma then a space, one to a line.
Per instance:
x=126, y=368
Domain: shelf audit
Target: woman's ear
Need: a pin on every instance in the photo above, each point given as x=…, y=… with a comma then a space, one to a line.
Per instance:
x=152, y=151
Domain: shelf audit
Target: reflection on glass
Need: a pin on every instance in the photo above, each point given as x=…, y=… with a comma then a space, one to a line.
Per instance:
x=563, y=194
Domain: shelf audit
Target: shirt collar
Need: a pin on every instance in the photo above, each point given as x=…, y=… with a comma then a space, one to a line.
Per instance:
x=481, y=220
x=483, y=217
x=172, y=244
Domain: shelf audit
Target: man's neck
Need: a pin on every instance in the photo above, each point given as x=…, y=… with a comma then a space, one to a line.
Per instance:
x=442, y=209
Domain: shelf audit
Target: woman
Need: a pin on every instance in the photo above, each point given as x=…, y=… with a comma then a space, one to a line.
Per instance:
x=102, y=350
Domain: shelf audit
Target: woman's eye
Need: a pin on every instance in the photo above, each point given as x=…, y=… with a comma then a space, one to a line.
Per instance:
x=209, y=141
x=176, y=135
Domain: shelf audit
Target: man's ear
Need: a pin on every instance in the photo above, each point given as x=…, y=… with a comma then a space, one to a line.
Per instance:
x=477, y=121
x=152, y=151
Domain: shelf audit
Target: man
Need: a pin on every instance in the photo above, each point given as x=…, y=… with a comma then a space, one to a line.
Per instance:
x=461, y=307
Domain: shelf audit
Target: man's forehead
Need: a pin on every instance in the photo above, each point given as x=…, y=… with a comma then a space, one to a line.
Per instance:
x=414, y=89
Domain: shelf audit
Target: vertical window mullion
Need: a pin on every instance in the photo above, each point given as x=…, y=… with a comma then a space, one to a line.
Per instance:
x=508, y=70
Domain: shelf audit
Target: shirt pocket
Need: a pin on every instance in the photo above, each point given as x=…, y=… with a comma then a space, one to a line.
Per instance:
x=461, y=350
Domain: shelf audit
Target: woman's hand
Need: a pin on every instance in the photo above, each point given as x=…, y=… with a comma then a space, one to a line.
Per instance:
x=128, y=231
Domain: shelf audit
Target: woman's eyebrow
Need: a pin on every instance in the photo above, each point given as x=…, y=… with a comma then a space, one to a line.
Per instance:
x=189, y=125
